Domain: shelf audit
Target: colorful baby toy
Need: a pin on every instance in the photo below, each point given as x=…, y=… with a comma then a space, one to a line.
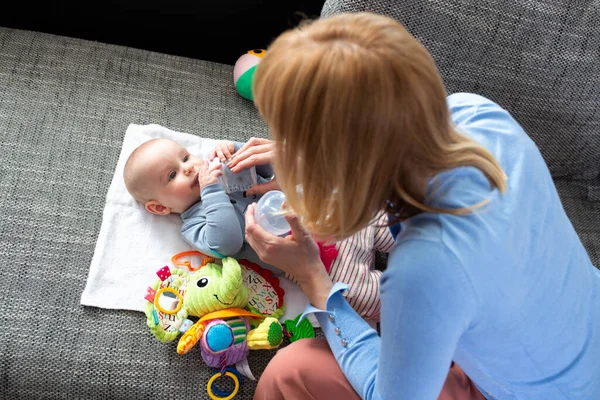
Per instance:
x=228, y=327
x=243, y=72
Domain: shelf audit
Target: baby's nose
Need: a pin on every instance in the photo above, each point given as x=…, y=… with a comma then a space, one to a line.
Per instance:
x=189, y=169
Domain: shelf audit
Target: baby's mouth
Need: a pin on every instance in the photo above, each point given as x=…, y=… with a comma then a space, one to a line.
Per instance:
x=195, y=181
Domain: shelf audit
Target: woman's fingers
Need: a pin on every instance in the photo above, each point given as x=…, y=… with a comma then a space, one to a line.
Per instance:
x=249, y=216
x=212, y=155
x=253, y=230
x=262, y=188
x=252, y=160
x=251, y=143
x=257, y=237
x=241, y=154
x=298, y=230
x=259, y=154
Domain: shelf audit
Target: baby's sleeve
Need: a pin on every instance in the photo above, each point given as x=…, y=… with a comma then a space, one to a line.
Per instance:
x=354, y=266
x=212, y=226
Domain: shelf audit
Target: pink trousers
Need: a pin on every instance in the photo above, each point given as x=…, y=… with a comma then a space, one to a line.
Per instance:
x=306, y=369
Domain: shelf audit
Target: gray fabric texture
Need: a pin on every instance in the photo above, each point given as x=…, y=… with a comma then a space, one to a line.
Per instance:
x=537, y=58
x=64, y=107
x=583, y=213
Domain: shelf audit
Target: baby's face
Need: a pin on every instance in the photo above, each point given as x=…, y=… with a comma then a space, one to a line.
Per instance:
x=171, y=174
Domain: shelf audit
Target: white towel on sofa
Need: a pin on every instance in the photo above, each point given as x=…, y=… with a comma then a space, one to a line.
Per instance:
x=133, y=244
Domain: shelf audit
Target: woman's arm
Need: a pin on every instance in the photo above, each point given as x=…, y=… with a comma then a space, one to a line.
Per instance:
x=426, y=305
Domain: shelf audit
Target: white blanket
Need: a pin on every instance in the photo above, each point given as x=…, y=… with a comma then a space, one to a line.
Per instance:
x=133, y=244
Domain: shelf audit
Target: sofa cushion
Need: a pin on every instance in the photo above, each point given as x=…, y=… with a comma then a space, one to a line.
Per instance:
x=539, y=59
x=64, y=107
x=584, y=214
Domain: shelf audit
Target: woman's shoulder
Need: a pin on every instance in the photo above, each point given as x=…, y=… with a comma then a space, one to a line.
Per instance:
x=493, y=127
x=482, y=119
x=469, y=108
x=456, y=100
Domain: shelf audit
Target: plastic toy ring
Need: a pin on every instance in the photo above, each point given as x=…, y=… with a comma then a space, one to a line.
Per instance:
x=160, y=308
x=220, y=393
x=188, y=264
x=229, y=396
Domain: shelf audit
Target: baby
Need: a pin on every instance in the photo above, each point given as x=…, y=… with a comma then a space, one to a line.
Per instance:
x=167, y=179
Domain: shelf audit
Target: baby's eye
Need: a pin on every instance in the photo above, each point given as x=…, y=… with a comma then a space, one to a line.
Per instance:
x=186, y=158
x=172, y=175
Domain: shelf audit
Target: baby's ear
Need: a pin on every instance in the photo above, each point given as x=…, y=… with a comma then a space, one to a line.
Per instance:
x=155, y=207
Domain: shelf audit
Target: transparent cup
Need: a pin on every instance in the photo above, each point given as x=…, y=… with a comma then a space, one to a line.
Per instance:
x=269, y=213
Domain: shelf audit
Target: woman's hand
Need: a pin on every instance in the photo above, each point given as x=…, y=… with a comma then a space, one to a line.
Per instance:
x=297, y=255
x=255, y=152
x=262, y=188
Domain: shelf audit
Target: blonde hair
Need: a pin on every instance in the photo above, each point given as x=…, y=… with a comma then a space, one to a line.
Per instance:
x=359, y=115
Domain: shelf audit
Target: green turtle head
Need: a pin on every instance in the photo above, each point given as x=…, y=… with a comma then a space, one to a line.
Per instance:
x=213, y=288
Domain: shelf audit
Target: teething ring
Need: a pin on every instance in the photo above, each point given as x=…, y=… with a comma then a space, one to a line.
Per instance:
x=160, y=308
x=223, y=395
x=188, y=264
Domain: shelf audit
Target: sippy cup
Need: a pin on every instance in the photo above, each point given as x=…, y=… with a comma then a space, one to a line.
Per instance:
x=269, y=213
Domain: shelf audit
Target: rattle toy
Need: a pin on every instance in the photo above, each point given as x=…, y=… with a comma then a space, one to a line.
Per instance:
x=227, y=326
x=296, y=331
x=243, y=72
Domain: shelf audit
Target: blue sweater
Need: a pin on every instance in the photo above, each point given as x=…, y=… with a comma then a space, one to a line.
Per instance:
x=509, y=292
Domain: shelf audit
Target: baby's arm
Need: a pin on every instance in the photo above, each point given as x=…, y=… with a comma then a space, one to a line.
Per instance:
x=353, y=267
x=212, y=226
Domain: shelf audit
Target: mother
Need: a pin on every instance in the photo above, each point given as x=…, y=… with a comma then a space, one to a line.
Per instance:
x=487, y=270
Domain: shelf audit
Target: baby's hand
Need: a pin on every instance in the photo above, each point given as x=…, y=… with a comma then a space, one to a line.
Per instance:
x=208, y=175
x=223, y=149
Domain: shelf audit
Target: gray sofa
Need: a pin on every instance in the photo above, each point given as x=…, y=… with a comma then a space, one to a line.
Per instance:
x=65, y=105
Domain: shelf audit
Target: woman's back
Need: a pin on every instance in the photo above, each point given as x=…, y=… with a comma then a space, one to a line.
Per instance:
x=533, y=330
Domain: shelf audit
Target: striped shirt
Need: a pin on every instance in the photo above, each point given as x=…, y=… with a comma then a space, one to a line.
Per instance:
x=355, y=264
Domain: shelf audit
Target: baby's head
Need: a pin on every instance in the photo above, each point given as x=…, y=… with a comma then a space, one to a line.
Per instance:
x=163, y=176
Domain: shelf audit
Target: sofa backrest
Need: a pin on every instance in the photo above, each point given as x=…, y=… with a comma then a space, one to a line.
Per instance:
x=540, y=59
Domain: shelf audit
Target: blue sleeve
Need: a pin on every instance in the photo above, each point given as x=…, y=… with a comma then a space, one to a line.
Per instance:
x=212, y=225
x=427, y=303
x=265, y=171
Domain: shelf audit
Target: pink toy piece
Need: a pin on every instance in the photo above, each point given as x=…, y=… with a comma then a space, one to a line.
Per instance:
x=328, y=254
x=163, y=273
x=150, y=293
